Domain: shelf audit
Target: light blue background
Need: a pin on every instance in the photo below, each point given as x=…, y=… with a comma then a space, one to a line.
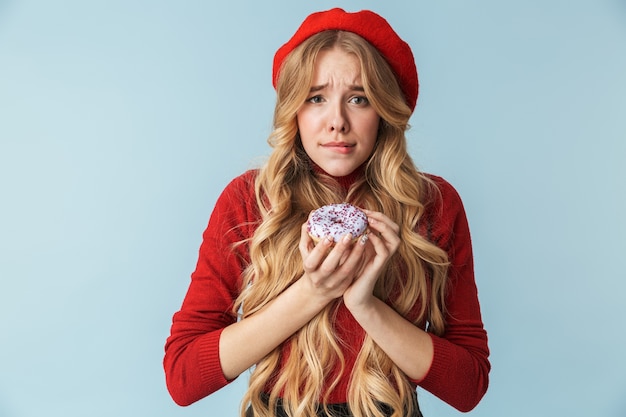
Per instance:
x=121, y=121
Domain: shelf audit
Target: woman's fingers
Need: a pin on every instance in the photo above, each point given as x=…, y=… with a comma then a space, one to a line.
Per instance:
x=352, y=260
x=312, y=254
x=331, y=266
x=378, y=220
x=385, y=228
x=306, y=243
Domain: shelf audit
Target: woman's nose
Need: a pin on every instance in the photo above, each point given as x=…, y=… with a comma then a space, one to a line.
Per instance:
x=338, y=122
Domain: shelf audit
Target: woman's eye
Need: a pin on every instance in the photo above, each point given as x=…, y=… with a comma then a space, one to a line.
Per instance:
x=359, y=100
x=314, y=99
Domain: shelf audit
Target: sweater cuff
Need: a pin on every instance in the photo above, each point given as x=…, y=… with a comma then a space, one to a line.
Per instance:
x=209, y=362
x=440, y=365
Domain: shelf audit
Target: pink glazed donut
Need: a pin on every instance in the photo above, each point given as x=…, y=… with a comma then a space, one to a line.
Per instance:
x=336, y=221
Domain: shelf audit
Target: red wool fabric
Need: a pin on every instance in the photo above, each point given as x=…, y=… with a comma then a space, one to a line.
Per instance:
x=370, y=26
x=459, y=374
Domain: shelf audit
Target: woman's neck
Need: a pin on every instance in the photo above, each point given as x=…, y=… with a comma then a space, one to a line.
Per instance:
x=345, y=181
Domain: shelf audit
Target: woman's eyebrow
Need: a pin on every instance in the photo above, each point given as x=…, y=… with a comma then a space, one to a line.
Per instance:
x=315, y=88
x=355, y=87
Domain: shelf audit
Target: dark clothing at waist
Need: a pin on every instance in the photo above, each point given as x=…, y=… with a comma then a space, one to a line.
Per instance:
x=338, y=410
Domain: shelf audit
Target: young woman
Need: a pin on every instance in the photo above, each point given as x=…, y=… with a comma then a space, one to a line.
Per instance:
x=348, y=328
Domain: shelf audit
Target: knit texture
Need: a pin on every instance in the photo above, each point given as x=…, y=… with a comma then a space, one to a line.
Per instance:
x=460, y=368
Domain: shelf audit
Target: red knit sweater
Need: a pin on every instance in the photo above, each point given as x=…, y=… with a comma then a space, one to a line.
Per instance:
x=459, y=373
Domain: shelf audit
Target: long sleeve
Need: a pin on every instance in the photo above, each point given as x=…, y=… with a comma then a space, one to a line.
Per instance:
x=191, y=361
x=459, y=374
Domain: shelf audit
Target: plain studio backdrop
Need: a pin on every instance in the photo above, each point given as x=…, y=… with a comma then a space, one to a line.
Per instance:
x=122, y=121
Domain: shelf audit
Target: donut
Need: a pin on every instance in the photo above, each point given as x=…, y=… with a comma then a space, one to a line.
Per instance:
x=336, y=221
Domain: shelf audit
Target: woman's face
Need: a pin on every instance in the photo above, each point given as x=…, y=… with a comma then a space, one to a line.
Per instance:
x=337, y=124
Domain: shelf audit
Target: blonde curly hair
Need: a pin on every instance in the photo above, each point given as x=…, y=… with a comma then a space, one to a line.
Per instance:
x=287, y=189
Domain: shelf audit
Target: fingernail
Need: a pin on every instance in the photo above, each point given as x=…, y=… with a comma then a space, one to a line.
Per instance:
x=347, y=238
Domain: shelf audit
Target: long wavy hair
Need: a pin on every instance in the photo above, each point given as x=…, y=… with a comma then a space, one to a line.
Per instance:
x=287, y=189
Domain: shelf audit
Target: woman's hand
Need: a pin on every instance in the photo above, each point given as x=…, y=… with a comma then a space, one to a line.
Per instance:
x=329, y=270
x=384, y=241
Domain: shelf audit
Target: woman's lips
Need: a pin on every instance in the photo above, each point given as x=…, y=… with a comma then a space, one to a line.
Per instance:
x=340, y=147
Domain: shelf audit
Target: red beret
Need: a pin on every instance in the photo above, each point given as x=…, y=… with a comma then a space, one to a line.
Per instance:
x=370, y=26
